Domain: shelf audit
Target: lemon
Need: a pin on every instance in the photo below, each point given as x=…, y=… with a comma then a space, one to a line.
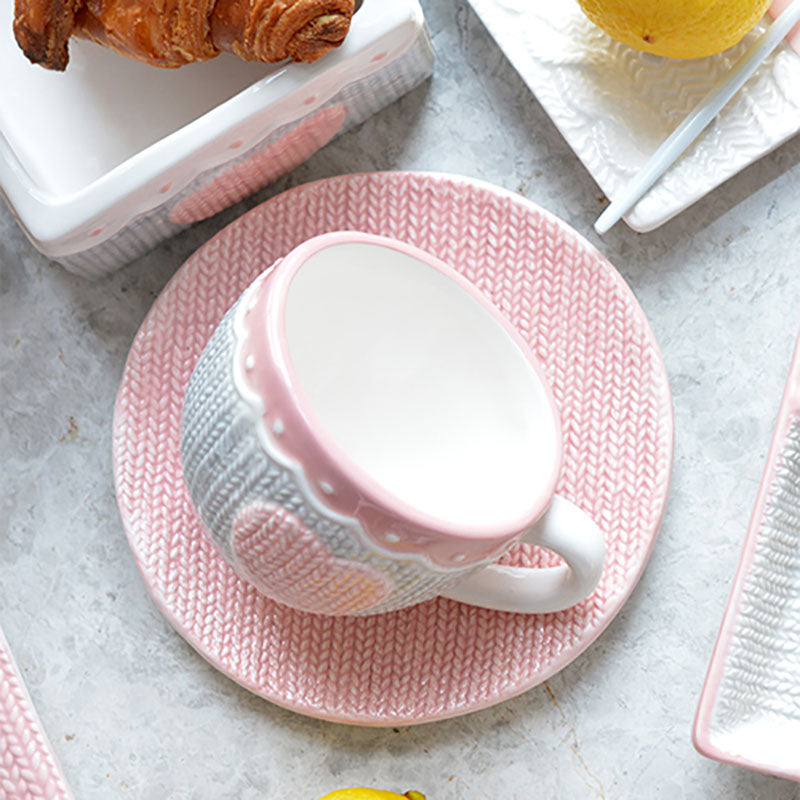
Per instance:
x=362, y=793
x=676, y=28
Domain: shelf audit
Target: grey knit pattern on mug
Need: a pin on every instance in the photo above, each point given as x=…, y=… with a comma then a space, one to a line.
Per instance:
x=226, y=468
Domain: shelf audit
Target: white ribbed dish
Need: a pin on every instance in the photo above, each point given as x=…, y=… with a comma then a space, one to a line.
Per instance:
x=749, y=712
x=615, y=105
x=104, y=161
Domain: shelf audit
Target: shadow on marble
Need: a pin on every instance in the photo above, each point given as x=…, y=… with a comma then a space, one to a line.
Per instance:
x=738, y=190
x=746, y=784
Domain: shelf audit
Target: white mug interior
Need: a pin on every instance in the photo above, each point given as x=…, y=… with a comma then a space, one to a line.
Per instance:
x=421, y=385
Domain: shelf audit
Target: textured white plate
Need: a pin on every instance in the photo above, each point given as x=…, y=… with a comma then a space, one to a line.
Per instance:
x=615, y=105
x=749, y=713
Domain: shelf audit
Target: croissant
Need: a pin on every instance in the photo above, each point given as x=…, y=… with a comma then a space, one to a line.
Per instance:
x=170, y=33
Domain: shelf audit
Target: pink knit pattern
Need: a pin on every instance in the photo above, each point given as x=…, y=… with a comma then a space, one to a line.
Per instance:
x=28, y=768
x=439, y=658
x=274, y=549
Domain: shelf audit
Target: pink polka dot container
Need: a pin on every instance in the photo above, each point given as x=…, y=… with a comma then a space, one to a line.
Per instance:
x=116, y=156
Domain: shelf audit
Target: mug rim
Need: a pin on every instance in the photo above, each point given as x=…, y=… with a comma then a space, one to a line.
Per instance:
x=334, y=454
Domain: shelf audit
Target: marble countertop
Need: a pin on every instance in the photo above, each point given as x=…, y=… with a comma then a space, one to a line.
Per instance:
x=133, y=711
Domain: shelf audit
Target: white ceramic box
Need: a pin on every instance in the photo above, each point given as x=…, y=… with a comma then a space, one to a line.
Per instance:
x=104, y=161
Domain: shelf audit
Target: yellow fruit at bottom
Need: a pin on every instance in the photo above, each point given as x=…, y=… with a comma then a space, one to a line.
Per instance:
x=676, y=28
x=362, y=793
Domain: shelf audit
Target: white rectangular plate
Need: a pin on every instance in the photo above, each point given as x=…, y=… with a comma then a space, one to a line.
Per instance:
x=615, y=105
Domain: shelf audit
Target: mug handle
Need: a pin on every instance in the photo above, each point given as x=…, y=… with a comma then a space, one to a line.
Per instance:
x=564, y=529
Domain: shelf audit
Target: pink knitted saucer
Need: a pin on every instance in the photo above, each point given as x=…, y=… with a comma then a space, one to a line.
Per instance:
x=438, y=659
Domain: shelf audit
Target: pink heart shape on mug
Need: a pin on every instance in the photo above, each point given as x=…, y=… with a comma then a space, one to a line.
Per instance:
x=276, y=552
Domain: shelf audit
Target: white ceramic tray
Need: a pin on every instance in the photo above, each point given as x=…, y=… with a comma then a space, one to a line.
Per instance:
x=749, y=712
x=102, y=162
x=615, y=105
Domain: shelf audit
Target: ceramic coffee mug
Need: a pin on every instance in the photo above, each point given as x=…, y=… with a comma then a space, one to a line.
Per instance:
x=364, y=431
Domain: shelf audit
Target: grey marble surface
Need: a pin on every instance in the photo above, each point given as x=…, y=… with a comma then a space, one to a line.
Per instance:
x=133, y=711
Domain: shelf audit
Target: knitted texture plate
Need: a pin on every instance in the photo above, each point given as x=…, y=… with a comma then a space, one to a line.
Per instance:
x=615, y=105
x=440, y=658
x=28, y=768
x=749, y=711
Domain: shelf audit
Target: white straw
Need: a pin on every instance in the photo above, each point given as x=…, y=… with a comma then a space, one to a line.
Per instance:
x=696, y=122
